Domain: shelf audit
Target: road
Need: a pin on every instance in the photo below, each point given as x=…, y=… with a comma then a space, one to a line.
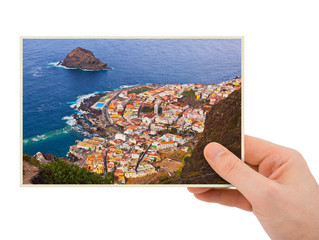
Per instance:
x=142, y=156
x=139, y=111
x=105, y=113
x=108, y=121
x=124, y=107
x=105, y=164
x=82, y=162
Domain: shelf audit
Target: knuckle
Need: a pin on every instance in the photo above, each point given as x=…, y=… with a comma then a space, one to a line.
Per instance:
x=270, y=190
x=295, y=155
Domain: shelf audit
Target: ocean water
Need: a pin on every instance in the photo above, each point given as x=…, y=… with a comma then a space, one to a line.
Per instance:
x=50, y=92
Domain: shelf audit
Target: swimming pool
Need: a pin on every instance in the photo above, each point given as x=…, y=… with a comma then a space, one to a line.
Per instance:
x=100, y=105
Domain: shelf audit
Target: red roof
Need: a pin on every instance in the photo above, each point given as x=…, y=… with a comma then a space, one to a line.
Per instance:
x=150, y=115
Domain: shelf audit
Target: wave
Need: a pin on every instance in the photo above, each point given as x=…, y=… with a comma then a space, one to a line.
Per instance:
x=128, y=86
x=87, y=70
x=81, y=98
x=47, y=135
x=70, y=120
x=58, y=64
x=79, y=129
x=63, y=131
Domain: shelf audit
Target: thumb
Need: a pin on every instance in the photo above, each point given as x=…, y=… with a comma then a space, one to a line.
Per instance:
x=233, y=170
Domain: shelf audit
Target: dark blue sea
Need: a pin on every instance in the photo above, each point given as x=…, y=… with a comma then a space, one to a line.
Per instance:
x=50, y=92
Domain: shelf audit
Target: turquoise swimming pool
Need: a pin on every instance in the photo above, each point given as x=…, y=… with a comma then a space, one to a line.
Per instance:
x=100, y=105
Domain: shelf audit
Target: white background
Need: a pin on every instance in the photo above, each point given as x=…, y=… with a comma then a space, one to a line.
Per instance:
x=281, y=105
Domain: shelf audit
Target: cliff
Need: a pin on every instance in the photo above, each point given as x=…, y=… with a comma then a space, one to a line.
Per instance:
x=81, y=58
x=222, y=125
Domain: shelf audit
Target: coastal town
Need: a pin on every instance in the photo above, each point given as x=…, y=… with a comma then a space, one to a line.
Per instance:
x=143, y=132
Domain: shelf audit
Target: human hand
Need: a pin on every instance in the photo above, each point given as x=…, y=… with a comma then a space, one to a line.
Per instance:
x=275, y=184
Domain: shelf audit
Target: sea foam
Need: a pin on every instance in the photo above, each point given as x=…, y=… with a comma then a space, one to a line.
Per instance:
x=47, y=135
x=69, y=120
x=81, y=98
x=58, y=64
x=128, y=86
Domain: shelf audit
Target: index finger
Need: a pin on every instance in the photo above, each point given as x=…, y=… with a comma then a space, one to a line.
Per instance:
x=257, y=150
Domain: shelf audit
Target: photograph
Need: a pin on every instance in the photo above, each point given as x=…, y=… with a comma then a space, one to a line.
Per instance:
x=159, y=120
x=129, y=111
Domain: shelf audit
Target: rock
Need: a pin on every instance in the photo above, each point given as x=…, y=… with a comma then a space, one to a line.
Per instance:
x=49, y=156
x=32, y=174
x=39, y=156
x=84, y=59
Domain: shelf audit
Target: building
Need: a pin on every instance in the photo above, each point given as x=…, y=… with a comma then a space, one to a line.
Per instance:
x=198, y=127
x=87, y=146
x=148, y=118
x=120, y=136
x=165, y=145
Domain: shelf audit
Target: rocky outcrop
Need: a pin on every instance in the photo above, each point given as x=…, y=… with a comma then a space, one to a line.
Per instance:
x=87, y=103
x=32, y=174
x=49, y=156
x=41, y=159
x=84, y=59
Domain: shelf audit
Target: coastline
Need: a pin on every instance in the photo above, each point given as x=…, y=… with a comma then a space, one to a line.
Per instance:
x=74, y=122
x=159, y=114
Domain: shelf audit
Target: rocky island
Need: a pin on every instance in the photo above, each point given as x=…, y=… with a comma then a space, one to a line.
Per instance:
x=84, y=59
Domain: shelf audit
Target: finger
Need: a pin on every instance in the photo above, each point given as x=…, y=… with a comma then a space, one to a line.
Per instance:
x=198, y=189
x=233, y=170
x=227, y=197
x=256, y=149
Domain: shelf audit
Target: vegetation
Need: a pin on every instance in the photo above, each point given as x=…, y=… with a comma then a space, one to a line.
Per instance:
x=189, y=97
x=164, y=177
x=139, y=90
x=62, y=172
x=190, y=93
x=111, y=130
x=173, y=130
x=31, y=160
x=147, y=109
x=186, y=159
x=144, y=145
x=179, y=170
x=120, y=127
x=161, y=133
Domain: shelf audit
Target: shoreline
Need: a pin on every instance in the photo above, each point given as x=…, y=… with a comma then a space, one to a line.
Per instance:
x=83, y=120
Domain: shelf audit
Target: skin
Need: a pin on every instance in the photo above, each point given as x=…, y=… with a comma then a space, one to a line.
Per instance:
x=274, y=183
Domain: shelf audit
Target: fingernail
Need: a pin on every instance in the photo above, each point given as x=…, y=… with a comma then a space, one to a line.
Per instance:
x=212, y=151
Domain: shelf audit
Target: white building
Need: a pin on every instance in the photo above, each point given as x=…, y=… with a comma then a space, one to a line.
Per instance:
x=165, y=145
x=135, y=155
x=148, y=118
x=120, y=136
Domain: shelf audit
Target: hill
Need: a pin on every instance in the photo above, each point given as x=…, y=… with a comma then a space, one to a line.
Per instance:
x=222, y=125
